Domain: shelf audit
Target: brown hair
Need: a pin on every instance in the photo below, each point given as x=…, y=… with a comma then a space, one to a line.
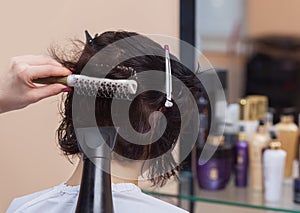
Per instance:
x=161, y=169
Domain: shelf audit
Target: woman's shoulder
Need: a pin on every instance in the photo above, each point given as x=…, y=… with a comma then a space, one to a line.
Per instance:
x=129, y=196
x=62, y=198
x=162, y=206
x=40, y=199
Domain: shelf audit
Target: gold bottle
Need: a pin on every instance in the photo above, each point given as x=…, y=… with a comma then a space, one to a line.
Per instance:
x=259, y=141
x=288, y=133
x=260, y=103
x=252, y=109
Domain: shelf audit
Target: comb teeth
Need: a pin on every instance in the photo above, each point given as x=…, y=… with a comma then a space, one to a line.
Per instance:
x=102, y=87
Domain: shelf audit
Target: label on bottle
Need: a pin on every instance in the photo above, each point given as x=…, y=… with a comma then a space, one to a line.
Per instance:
x=240, y=160
x=213, y=174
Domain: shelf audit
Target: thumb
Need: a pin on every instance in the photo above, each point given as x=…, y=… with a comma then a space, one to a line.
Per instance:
x=42, y=92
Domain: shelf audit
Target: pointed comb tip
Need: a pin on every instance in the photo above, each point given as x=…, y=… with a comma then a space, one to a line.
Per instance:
x=88, y=36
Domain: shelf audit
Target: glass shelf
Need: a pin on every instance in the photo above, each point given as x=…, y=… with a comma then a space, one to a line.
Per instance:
x=239, y=197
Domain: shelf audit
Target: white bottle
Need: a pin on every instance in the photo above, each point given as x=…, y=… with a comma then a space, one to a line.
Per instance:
x=274, y=163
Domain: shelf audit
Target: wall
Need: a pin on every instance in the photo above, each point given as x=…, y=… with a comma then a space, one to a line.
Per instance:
x=262, y=17
x=29, y=158
x=273, y=16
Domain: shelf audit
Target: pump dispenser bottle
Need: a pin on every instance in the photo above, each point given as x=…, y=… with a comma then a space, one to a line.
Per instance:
x=274, y=163
x=258, y=143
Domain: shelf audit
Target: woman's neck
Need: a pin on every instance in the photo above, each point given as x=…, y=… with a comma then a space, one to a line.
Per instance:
x=120, y=173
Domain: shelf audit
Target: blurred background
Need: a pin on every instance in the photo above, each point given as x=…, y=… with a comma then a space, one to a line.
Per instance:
x=232, y=34
x=257, y=42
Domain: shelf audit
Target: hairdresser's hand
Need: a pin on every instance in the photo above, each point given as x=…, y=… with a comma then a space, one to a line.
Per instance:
x=16, y=87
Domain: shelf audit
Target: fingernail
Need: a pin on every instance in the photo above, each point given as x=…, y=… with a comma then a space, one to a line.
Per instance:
x=66, y=70
x=67, y=89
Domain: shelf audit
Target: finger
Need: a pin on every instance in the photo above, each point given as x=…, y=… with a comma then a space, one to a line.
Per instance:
x=44, y=71
x=35, y=60
x=39, y=93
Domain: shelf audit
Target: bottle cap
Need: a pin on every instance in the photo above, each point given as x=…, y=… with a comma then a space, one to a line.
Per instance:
x=286, y=118
x=274, y=144
x=242, y=136
x=261, y=127
x=289, y=111
x=261, y=122
x=243, y=103
x=273, y=135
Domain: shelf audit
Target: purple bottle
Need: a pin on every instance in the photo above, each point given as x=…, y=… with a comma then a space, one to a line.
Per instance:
x=214, y=174
x=242, y=159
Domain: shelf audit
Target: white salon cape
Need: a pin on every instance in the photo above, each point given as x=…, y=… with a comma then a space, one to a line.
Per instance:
x=127, y=198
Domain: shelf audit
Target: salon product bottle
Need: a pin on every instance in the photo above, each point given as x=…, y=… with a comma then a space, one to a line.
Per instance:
x=287, y=132
x=258, y=143
x=273, y=164
x=241, y=161
x=214, y=172
x=248, y=118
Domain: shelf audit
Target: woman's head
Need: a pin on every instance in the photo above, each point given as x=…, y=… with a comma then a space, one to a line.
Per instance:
x=149, y=57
